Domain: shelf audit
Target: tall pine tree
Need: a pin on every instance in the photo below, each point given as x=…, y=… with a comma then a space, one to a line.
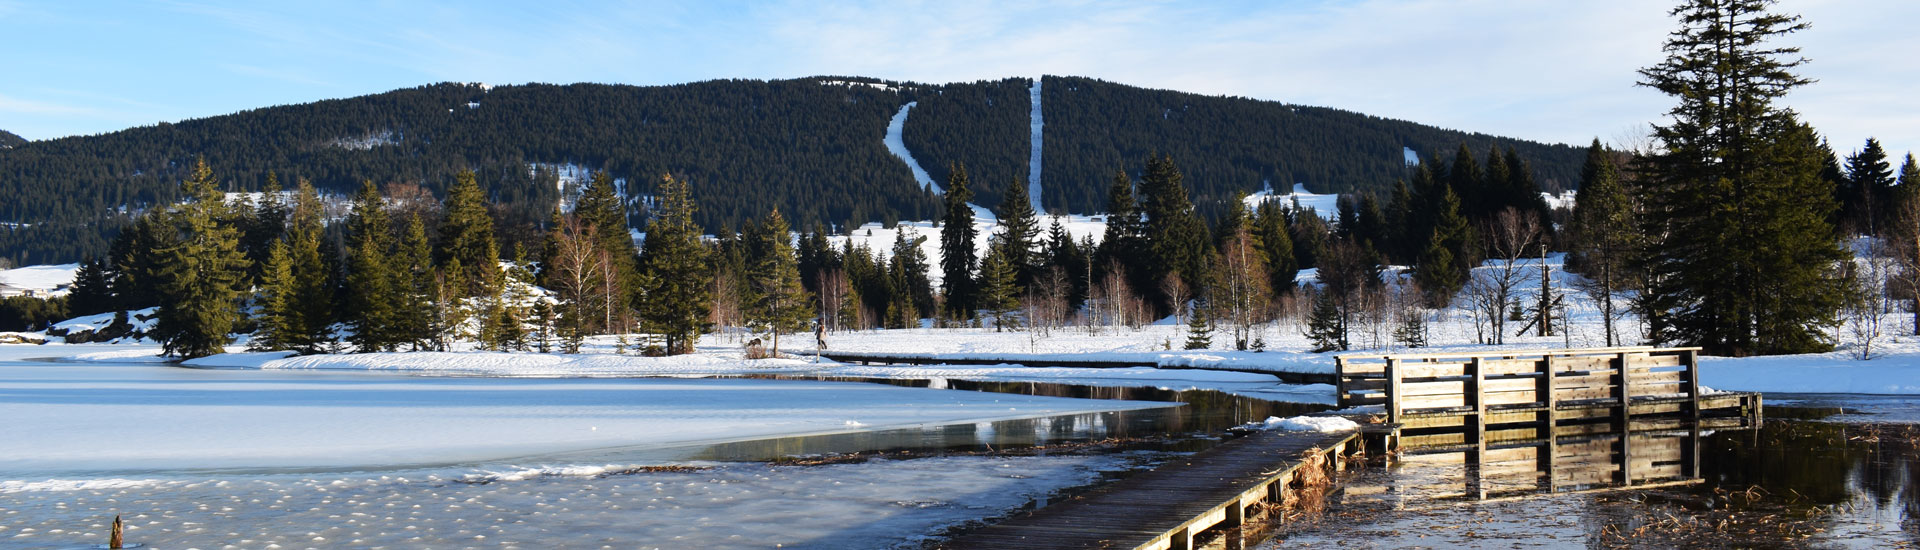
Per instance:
x=373, y=290
x=1020, y=232
x=678, y=295
x=1747, y=262
x=1603, y=233
x=201, y=274
x=466, y=239
x=1176, y=238
x=782, y=305
x=957, y=255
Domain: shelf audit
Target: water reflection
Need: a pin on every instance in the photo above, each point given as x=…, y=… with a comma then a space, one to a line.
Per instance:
x=1787, y=484
x=1569, y=464
x=1189, y=427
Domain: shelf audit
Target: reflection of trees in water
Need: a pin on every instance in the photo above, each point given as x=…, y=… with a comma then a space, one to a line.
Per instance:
x=1192, y=427
x=1777, y=486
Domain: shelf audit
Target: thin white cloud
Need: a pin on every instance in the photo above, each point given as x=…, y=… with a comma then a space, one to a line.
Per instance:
x=34, y=107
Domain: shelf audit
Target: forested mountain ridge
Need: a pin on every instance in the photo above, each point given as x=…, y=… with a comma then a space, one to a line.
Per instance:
x=1226, y=145
x=811, y=147
x=9, y=140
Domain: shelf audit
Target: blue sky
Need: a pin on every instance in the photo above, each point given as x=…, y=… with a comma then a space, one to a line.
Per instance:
x=1553, y=71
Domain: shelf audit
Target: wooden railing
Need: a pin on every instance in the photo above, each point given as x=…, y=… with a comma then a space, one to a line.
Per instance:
x=1475, y=383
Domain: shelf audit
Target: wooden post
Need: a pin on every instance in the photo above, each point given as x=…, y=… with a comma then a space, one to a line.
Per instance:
x=1549, y=399
x=114, y=541
x=1479, y=394
x=1393, y=390
x=1340, y=381
x=1623, y=391
x=1691, y=360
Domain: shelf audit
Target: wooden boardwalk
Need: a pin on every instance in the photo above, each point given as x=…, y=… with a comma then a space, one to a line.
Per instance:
x=896, y=358
x=1167, y=506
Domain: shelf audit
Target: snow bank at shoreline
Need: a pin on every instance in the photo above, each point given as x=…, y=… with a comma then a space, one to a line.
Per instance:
x=1835, y=372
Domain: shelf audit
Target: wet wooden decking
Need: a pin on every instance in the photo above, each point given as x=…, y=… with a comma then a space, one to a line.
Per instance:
x=867, y=358
x=1167, y=506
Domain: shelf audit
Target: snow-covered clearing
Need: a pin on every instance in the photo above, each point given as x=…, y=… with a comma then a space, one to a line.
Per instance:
x=879, y=238
x=41, y=279
x=1327, y=206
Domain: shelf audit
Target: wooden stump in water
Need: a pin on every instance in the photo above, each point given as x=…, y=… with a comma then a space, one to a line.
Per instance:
x=113, y=538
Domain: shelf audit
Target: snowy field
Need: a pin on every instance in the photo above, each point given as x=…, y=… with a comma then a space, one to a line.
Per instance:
x=40, y=278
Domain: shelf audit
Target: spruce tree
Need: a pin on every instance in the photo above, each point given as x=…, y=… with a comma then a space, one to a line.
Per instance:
x=414, y=278
x=678, y=293
x=277, y=320
x=466, y=236
x=1871, y=179
x=782, y=305
x=311, y=300
x=1124, y=245
x=201, y=274
x=1199, y=327
x=1270, y=232
x=998, y=294
x=92, y=288
x=373, y=296
x=908, y=267
x=957, y=255
x=1603, y=233
x=1065, y=254
x=1176, y=238
x=600, y=205
x=1020, y=231
x=1324, y=327
x=1443, y=266
x=1747, y=258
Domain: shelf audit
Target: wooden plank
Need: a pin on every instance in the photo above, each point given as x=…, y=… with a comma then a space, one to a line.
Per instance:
x=1162, y=507
x=1655, y=360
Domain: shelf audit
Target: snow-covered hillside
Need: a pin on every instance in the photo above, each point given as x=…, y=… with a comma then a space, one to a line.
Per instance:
x=42, y=280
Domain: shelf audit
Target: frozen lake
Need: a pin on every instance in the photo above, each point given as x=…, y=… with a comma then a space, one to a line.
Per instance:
x=67, y=419
x=209, y=458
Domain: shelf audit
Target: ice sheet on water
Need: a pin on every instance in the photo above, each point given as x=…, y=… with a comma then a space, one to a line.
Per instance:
x=877, y=504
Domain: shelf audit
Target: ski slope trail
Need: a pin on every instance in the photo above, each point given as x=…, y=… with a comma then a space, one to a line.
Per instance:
x=1033, y=161
x=897, y=144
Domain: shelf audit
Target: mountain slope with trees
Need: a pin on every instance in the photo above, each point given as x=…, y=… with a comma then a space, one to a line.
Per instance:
x=1228, y=145
x=810, y=147
x=10, y=140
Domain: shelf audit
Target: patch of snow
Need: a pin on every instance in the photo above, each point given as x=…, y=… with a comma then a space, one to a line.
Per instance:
x=43, y=280
x=1322, y=424
x=1558, y=201
x=366, y=142
x=1327, y=206
x=1411, y=157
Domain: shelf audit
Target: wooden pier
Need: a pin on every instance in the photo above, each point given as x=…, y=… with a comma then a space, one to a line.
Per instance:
x=1172, y=506
x=1553, y=420
x=1479, y=397
x=898, y=358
